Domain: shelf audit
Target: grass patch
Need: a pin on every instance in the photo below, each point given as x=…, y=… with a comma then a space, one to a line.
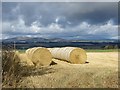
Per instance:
x=88, y=50
x=102, y=50
x=21, y=51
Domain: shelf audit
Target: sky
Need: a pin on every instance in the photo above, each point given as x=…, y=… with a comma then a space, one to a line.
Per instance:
x=67, y=20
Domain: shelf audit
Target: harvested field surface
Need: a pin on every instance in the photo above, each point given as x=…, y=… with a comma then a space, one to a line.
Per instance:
x=100, y=71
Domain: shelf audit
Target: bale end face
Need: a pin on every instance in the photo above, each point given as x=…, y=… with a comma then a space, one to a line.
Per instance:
x=25, y=60
x=40, y=56
x=78, y=56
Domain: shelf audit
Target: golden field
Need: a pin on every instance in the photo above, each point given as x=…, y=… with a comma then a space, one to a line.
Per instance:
x=100, y=71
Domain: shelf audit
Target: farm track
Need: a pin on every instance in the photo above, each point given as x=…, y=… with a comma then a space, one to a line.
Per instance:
x=100, y=71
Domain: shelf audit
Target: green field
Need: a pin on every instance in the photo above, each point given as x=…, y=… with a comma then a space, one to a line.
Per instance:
x=89, y=50
x=102, y=50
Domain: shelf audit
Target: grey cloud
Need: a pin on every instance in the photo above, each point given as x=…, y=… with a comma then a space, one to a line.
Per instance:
x=83, y=30
x=75, y=12
x=57, y=16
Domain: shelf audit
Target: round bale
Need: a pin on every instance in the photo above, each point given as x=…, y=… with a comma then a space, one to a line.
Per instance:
x=25, y=60
x=73, y=55
x=40, y=56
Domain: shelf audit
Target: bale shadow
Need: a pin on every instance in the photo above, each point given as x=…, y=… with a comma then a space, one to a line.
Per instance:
x=53, y=63
x=86, y=62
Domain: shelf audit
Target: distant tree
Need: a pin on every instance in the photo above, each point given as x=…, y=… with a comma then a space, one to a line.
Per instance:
x=109, y=47
x=116, y=47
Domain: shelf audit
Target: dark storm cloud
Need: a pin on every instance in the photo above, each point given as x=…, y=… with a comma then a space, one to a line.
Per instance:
x=94, y=13
x=50, y=19
x=119, y=13
x=7, y=13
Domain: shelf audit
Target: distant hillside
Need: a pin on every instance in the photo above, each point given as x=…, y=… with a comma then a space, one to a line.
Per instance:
x=40, y=39
x=28, y=42
x=33, y=39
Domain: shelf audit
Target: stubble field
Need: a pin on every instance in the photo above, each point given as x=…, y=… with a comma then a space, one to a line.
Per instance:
x=100, y=71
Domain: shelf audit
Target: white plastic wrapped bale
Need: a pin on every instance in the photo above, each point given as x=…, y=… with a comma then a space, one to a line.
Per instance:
x=71, y=54
x=40, y=56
